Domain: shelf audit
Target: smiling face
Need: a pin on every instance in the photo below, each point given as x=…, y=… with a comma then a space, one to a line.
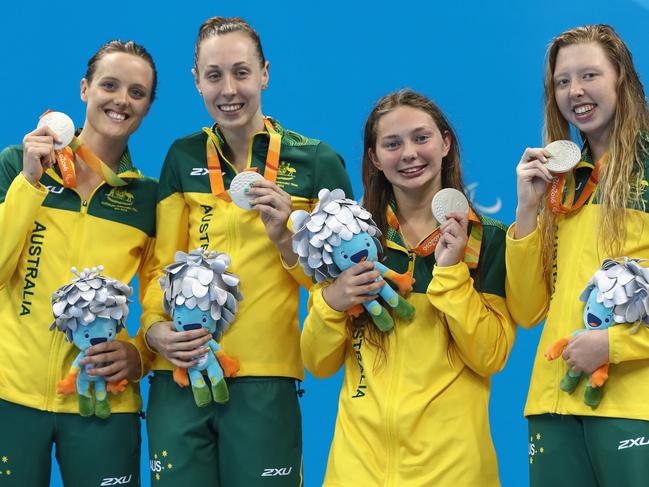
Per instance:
x=118, y=96
x=360, y=248
x=596, y=315
x=99, y=331
x=230, y=76
x=410, y=149
x=585, y=89
x=186, y=319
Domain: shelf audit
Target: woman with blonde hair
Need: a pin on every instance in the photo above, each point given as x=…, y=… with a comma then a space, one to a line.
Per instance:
x=565, y=227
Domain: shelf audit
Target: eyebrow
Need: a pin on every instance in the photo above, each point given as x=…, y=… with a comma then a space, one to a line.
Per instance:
x=418, y=129
x=589, y=67
x=235, y=65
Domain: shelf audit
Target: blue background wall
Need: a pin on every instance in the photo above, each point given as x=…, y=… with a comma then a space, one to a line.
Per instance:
x=481, y=61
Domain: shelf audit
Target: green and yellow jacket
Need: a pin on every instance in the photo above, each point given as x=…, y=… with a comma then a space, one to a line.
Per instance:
x=577, y=257
x=265, y=336
x=46, y=230
x=419, y=414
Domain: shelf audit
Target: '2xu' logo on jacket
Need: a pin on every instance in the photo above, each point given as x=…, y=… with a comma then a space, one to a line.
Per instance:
x=272, y=472
x=126, y=479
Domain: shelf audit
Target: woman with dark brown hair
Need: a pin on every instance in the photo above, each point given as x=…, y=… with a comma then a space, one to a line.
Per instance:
x=98, y=210
x=413, y=408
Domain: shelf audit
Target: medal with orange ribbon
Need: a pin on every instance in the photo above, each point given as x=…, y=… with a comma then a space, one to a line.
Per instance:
x=71, y=147
x=561, y=195
x=213, y=146
x=427, y=246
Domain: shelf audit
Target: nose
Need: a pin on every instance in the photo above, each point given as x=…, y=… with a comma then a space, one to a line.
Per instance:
x=576, y=89
x=409, y=151
x=229, y=86
x=121, y=98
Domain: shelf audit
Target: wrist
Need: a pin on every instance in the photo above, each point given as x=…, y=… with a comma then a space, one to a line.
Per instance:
x=326, y=296
x=31, y=178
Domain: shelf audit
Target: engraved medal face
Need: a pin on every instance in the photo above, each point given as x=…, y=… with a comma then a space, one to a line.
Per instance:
x=565, y=155
x=240, y=182
x=61, y=124
x=449, y=200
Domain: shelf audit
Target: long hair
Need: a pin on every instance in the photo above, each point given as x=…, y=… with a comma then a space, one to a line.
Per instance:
x=378, y=190
x=623, y=172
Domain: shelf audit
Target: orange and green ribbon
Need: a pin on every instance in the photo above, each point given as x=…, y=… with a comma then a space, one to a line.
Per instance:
x=561, y=195
x=66, y=156
x=213, y=147
x=427, y=246
x=83, y=152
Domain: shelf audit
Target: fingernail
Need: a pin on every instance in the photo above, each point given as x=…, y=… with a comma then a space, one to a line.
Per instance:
x=245, y=190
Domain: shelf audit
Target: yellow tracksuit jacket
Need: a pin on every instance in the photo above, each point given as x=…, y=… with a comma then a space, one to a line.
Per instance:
x=420, y=417
x=577, y=259
x=45, y=231
x=265, y=335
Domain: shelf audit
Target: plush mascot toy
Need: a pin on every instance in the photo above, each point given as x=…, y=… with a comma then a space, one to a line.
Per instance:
x=617, y=293
x=90, y=310
x=339, y=233
x=200, y=292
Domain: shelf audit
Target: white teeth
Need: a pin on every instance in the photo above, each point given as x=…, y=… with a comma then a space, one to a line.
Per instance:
x=410, y=170
x=230, y=108
x=583, y=109
x=116, y=116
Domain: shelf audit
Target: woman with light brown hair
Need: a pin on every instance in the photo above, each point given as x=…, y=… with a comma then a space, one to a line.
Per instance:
x=565, y=227
x=255, y=438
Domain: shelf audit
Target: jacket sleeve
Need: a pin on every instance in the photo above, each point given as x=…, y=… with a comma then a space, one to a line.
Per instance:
x=19, y=205
x=625, y=346
x=148, y=296
x=324, y=336
x=297, y=273
x=528, y=298
x=479, y=323
x=172, y=222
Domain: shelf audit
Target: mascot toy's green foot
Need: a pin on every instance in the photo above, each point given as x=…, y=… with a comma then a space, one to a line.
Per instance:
x=618, y=293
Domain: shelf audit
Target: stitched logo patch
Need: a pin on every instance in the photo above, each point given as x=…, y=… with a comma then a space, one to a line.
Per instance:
x=119, y=199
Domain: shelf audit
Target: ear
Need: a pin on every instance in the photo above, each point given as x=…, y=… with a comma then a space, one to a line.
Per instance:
x=372, y=155
x=265, y=75
x=197, y=82
x=447, y=138
x=84, y=90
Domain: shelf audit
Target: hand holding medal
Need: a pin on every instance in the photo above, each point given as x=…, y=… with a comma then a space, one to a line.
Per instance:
x=451, y=209
x=240, y=183
x=41, y=147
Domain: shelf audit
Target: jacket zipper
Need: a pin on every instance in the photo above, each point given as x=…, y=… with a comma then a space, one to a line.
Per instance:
x=73, y=261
